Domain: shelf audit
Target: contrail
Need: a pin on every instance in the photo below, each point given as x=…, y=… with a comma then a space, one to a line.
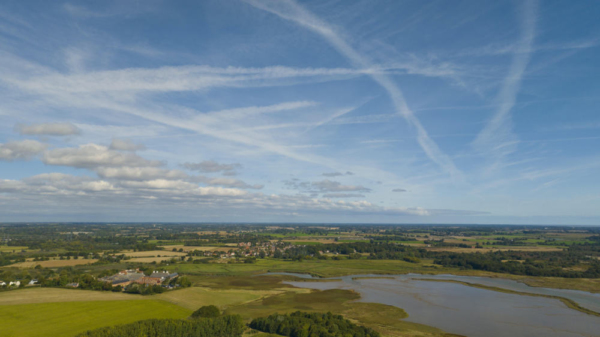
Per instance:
x=497, y=137
x=290, y=10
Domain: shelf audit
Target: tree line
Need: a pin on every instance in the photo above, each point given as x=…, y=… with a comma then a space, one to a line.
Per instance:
x=303, y=324
x=224, y=326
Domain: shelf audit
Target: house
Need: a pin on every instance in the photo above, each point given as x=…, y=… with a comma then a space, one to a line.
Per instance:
x=32, y=282
x=2, y=283
x=16, y=284
x=73, y=285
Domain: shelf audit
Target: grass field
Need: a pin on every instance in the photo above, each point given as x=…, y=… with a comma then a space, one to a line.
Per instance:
x=53, y=263
x=154, y=253
x=71, y=318
x=194, y=298
x=151, y=259
x=487, y=249
x=46, y=295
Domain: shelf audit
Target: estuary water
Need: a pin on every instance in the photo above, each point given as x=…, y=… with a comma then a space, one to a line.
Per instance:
x=470, y=311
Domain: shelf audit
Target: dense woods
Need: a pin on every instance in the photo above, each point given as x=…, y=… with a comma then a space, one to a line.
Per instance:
x=302, y=324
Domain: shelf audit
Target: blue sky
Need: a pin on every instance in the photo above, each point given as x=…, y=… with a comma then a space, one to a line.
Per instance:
x=312, y=111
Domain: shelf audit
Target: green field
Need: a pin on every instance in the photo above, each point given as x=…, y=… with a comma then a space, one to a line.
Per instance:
x=195, y=297
x=322, y=268
x=12, y=248
x=71, y=318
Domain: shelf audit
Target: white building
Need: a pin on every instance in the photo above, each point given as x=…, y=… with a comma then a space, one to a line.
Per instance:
x=16, y=283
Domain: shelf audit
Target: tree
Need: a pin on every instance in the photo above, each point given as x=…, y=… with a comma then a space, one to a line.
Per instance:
x=207, y=311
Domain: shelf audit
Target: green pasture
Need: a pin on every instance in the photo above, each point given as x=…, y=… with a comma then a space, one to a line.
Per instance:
x=71, y=318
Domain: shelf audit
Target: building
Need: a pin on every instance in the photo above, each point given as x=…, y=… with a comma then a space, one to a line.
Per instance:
x=73, y=285
x=2, y=283
x=149, y=281
x=16, y=284
x=163, y=275
x=32, y=282
x=123, y=278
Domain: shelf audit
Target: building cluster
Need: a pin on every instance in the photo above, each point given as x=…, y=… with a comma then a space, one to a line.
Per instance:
x=10, y=284
x=247, y=249
x=17, y=283
x=131, y=276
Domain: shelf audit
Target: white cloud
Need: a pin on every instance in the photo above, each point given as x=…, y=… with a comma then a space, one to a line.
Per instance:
x=228, y=182
x=399, y=190
x=343, y=195
x=210, y=166
x=48, y=129
x=334, y=186
x=25, y=149
x=58, y=183
x=139, y=173
x=93, y=156
x=161, y=196
x=183, y=78
x=337, y=174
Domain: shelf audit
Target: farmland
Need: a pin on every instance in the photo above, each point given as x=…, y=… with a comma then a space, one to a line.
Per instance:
x=225, y=268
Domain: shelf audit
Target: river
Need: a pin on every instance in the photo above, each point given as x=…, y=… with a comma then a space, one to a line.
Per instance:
x=470, y=311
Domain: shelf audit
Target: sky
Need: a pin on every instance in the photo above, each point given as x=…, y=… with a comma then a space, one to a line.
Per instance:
x=483, y=112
